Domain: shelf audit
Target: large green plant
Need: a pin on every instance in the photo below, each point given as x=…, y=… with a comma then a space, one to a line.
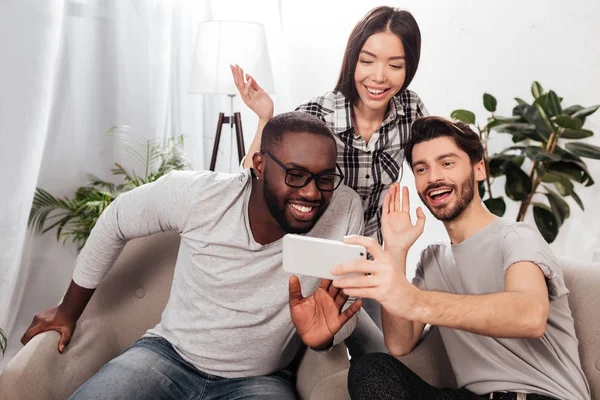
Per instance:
x=75, y=217
x=546, y=161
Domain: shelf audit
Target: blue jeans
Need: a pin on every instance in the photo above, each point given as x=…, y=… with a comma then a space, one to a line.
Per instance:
x=152, y=369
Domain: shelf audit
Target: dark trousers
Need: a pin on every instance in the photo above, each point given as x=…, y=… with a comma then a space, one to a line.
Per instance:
x=380, y=376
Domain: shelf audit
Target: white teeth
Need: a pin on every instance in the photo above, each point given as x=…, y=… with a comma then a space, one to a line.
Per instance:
x=300, y=208
x=440, y=191
x=375, y=91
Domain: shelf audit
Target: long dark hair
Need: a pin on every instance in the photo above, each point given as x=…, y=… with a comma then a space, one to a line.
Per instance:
x=380, y=19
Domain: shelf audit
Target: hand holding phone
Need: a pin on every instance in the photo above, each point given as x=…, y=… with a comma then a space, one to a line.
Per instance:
x=304, y=255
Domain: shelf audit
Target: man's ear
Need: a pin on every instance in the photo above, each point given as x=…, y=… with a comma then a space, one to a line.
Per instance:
x=259, y=163
x=479, y=168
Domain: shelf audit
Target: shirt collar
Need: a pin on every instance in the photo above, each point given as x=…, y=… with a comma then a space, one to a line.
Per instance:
x=343, y=112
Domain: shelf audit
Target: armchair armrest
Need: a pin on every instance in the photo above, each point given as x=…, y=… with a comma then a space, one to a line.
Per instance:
x=323, y=375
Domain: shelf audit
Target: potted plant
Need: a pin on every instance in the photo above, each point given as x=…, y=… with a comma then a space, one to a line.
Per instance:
x=546, y=161
x=73, y=218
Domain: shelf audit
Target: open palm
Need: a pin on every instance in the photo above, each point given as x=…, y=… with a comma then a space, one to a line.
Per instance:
x=252, y=94
x=319, y=317
x=399, y=233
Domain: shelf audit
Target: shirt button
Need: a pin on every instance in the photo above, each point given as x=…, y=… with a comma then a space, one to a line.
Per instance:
x=367, y=176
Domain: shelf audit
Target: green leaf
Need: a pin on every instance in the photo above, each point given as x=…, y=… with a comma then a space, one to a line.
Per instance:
x=489, y=102
x=584, y=150
x=545, y=221
x=539, y=154
x=544, y=118
x=518, y=185
x=577, y=200
x=572, y=110
x=520, y=101
x=560, y=208
x=576, y=134
x=481, y=188
x=463, y=116
x=572, y=170
x=568, y=122
x=553, y=104
x=498, y=162
x=563, y=184
x=584, y=112
x=536, y=90
x=496, y=206
x=533, y=116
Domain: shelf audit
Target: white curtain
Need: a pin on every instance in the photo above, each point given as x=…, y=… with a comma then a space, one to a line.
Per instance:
x=72, y=69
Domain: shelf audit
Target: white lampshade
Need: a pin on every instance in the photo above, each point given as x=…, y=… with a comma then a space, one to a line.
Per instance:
x=221, y=43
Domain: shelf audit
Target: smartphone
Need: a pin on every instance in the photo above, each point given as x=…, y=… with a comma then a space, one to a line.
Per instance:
x=303, y=255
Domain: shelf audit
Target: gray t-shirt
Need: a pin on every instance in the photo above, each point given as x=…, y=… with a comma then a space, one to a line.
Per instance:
x=228, y=310
x=549, y=365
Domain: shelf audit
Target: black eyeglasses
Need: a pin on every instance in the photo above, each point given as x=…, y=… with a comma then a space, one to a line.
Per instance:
x=298, y=178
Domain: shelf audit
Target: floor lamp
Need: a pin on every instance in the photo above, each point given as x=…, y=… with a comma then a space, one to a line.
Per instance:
x=219, y=44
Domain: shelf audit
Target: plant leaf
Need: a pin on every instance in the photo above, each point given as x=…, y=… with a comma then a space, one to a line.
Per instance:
x=489, y=102
x=518, y=185
x=536, y=89
x=553, y=104
x=520, y=101
x=481, y=188
x=560, y=208
x=566, y=121
x=539, y=154
x=577, y=200
x=545, y=118
x=572, y=110
x=496, y=206
x=463, y=116
x=584, y=112
x=576, y=134
x=584, y=150
x=545, y=221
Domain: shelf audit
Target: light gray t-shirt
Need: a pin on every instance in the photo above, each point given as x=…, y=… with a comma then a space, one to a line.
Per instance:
x=228, y=310
x=549, y=365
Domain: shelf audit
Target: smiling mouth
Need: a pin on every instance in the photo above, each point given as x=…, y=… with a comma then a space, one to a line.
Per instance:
x=439, y=196
x=303, y=212
x=376, y=92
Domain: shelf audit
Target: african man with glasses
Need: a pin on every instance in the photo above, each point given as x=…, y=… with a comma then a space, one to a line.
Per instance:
x=235, y=319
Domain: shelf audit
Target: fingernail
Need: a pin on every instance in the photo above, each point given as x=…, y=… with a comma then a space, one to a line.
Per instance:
x=62, y=347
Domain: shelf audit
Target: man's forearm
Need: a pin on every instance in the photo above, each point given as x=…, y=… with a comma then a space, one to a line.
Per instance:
x=75, y=300
x=504, y=315
x=255, y=145
x=400, y=335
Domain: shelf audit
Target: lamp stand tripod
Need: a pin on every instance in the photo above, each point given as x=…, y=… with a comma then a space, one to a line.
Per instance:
x=234, y=119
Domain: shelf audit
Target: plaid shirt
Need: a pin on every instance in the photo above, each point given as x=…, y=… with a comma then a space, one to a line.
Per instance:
x=369, y=168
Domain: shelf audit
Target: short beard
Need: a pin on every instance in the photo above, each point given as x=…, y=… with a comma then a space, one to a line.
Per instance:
x=279, y=213
x=466, y=194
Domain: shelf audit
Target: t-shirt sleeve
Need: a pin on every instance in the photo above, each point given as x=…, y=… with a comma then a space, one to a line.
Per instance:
x=523, y=242
x=159, y=206
x=419, y=278
x=356, y=223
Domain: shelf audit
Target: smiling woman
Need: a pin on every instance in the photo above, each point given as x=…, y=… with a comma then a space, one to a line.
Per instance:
x=370, y=110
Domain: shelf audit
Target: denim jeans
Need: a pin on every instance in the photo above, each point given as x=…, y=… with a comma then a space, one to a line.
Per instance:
x=152, y=369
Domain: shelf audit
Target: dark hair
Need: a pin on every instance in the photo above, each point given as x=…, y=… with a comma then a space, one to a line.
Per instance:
x=292, y=122
x=380, y=19
x=428, y=128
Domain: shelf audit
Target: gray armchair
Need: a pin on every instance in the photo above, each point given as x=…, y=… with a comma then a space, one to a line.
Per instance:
x=124, y=306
